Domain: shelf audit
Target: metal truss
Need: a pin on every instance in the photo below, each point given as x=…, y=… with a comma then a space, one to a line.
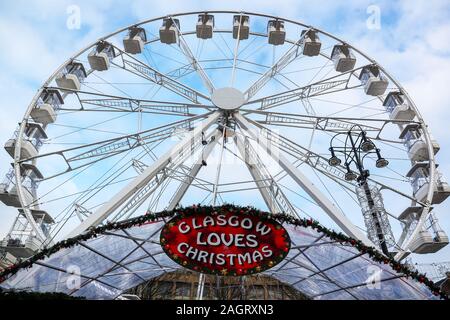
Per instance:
x=192, y=172
x=143, y=70
x=193, y=60
x=143, y=180
x=101, y=150
x=287, y=58
x=338, y=217
x=111, y=103
x=326, y=86
x=272, y=194
x=331, y=124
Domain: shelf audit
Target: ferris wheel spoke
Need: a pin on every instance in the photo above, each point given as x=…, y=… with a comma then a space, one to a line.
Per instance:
x=304, y=155
x=305, y=121
x=106, y=180
x=112, y=103
x=156, y=187
x=181, y=72
x=142, y=180
x=186, y=50
x=318, y=162
x=85, y=155
x=338, y=217
x=193, y=172
x=236, y=49
x=326, y=86
x=332, y=125
x=383, y=185
x=287, y=58
x=143, y=70
x=272, y=194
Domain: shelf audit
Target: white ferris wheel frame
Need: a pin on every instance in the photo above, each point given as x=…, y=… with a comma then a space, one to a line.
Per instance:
x=298, y=177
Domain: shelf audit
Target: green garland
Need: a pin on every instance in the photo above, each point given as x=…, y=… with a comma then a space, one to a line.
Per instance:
x=373, y=253
x=25, y=295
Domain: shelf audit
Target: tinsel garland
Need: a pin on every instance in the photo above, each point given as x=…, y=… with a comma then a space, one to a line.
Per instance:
x=343, y=239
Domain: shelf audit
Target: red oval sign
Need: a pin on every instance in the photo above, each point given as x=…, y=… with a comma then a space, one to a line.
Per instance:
x=225, y=243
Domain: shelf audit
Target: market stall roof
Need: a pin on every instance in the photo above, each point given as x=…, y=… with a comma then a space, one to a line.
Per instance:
x=114, y=259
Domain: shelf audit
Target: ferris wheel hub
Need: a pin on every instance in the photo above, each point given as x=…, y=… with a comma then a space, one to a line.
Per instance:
x=228, y=98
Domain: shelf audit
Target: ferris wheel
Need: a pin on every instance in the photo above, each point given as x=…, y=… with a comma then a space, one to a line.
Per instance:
x=224, y=107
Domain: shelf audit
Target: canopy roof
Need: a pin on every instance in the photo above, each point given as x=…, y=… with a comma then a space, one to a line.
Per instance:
x=117, y=259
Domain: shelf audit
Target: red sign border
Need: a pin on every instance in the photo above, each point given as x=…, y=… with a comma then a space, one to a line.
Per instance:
x=196, y=268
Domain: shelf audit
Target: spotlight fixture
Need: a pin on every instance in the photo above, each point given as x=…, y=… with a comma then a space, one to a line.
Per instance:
x=350, y=175
x=334, y=161
x=381, y=162
x=366, y=145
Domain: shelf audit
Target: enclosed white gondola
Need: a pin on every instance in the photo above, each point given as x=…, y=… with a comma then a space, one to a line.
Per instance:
x=241, y=27
x=169, y=31
x=47, y=106
x=375, y=83
x=431, y=238
x=415, y=143
x=101, y=56
x=426, y=243
x=21, y=240
x=35, y=135
x=420, y=181
x=135, y=41
x=398, y=107
x=205, y=26
x=343, y=58
x=8, y=191
x=72, y=76
x=30, y=177
x=310, y=43
x=276, y=32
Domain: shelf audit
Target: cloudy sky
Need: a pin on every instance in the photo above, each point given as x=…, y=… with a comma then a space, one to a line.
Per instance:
x=412, y=43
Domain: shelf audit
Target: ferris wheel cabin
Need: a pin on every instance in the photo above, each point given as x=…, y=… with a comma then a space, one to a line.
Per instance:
x=30, y=177
x=241, y=27
x=21, y=240
x=276, y=32
x=35, y=135
x=416, y=144
x=205, y=26
x=47, y=106
x=431, y=238
x=134, y=42
x=168, y=33
x=311, y=43
x=101, y=56
x=375, y=83
x=420, y=180
x=343, y=58
x=398, y=107
x=72, y=76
